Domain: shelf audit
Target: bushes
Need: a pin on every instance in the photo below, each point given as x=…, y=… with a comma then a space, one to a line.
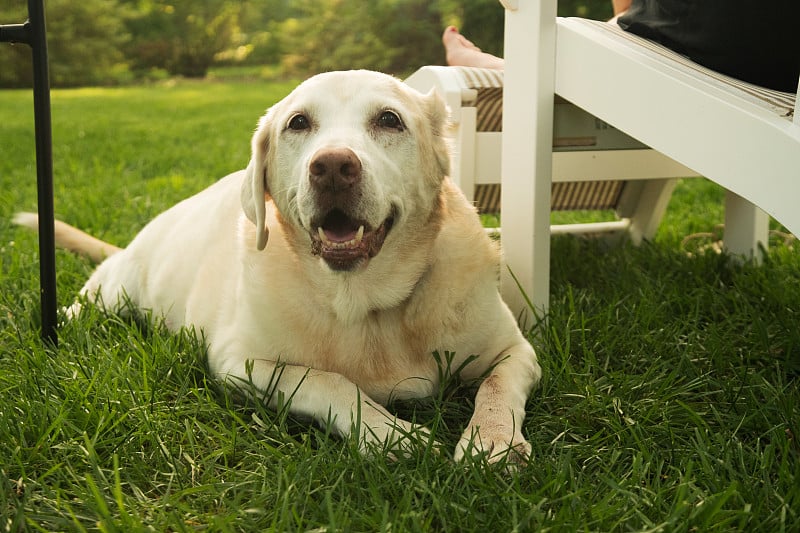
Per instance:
x=84, y=41
x=386, y=35
x=184, y=38
x=101, y=42
x=95, y=42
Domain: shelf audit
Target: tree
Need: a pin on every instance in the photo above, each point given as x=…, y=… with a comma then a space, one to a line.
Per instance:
x=109, y=41
x=182, y=37
x=413, y=28
x=395, y=36
x=84, y=43
x=332, y=35
x=590, y=9
x=260, y=23
x=386, y=35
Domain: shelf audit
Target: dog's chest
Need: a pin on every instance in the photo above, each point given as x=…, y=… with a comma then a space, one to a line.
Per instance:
x=382, y=354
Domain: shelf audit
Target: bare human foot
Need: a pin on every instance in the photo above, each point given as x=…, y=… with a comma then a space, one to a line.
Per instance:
x=461, y=52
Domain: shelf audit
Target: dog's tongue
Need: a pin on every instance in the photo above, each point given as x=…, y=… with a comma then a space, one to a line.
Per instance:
x=338, y=227
x=344, y=243
x=339, y=235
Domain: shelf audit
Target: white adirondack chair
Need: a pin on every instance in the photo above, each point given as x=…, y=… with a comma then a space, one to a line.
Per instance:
x=743, y=137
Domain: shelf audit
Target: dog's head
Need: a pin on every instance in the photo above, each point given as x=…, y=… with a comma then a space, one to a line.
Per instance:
x=349, y=158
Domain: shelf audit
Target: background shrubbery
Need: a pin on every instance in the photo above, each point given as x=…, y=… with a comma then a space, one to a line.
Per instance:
x=103, y=42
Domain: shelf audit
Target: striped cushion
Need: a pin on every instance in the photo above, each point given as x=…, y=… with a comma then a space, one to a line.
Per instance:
x=565, y=196
x=588, y=195
x=488, y=102
x=487, y=86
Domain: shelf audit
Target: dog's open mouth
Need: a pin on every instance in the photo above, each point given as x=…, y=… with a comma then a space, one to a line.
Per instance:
x=344, y=242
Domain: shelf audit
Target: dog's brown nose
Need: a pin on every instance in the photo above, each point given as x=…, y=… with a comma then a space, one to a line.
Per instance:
x=334, y=169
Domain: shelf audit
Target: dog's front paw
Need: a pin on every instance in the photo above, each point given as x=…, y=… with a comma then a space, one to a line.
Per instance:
x=495, y=443
x=392, y=437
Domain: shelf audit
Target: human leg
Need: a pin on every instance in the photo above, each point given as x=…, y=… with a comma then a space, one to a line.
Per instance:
x=460, y=51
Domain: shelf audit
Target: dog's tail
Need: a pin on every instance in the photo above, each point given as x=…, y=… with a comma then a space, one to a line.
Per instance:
x=71, y=238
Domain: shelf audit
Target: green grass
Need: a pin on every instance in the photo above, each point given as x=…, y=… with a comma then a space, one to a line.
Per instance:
x=670, y=399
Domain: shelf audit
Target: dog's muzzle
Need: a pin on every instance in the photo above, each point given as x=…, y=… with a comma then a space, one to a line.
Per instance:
x=344, y=243
x=342, y=240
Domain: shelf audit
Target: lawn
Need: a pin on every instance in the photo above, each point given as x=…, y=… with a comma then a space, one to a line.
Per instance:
x=670, y=399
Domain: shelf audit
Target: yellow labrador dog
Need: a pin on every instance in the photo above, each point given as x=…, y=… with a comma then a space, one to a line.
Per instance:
x=334, y=266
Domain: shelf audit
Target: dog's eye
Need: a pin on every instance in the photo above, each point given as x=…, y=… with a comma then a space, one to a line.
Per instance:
x=390, y=120
x=299, y=122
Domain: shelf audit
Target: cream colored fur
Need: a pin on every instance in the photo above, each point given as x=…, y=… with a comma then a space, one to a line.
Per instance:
x=235, y=261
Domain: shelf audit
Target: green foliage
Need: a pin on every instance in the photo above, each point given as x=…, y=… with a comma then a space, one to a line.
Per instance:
x=590, y=9
x=182, y=37
x=482, y=20
x=113, y=41
x=84, y=43
x=396, y=36
x=263, y=42
x=385, y=35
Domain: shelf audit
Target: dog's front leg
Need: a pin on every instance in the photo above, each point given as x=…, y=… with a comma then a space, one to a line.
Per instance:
x=328, y=398
x=496, y=425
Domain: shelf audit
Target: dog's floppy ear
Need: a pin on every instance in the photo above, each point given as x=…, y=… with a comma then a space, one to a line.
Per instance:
x=254, y=185
x=439, y=119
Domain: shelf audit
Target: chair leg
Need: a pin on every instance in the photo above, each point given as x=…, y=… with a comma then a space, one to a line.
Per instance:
x=650, y=208
x=745, y=227
x=463, y=172
x=528, y=94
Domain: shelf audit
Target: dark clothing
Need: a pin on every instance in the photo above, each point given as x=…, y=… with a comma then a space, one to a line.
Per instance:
x=754, y=41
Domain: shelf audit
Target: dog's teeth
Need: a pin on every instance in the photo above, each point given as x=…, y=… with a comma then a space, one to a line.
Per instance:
x=344, y=244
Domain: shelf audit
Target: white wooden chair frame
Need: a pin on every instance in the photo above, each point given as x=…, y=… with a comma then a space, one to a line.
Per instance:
x=716, y=129
x=648, y=176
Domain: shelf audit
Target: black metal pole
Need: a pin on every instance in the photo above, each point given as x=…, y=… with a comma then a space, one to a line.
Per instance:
x=44, y=169
x=34, y=34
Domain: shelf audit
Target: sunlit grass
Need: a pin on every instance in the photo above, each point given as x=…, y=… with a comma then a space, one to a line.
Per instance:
x=670, y=400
